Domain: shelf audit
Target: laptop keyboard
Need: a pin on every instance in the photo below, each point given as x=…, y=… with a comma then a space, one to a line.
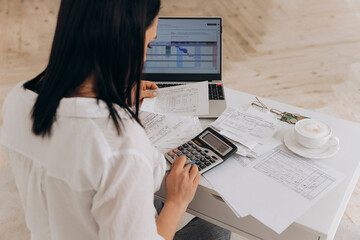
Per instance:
x=215, y=90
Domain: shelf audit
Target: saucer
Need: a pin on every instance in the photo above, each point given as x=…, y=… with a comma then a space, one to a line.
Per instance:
x=328, y=150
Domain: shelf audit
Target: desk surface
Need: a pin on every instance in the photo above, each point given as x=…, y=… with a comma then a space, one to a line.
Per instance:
x=324, y=217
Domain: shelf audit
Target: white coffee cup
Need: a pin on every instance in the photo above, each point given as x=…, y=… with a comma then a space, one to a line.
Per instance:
x=312, y=133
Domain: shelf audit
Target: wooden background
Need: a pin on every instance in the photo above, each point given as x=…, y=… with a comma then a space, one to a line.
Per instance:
x=304, y=52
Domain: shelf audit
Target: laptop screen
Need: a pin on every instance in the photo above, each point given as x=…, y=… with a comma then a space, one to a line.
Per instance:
x=184, y=48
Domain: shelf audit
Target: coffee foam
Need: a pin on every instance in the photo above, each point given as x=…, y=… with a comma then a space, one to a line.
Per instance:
x=312, y=128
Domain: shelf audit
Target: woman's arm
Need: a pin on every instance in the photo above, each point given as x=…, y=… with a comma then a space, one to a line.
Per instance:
x=180, y=185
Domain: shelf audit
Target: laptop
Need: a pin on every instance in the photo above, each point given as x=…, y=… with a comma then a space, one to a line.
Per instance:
x=188, y=50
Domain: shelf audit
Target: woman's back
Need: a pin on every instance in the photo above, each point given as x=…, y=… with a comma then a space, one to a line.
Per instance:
x=83, y=165
x=77, y=183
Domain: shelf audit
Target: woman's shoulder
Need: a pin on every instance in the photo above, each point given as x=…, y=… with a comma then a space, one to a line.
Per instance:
x=16, y=93
x=132, y=135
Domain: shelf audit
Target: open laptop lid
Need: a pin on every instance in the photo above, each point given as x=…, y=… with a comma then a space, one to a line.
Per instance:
x=186, y=49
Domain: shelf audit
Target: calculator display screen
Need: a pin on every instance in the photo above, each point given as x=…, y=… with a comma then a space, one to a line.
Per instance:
x=215, y=143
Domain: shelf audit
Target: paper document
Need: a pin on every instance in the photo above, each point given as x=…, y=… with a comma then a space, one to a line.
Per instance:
x=262, y=148
x=258, y=149
x=243, y=161
x=276, y=189
x=189, y=99
x=245, y=128
x=265, y=114
x=250, y=144
x=167, y=132
x=242, y=150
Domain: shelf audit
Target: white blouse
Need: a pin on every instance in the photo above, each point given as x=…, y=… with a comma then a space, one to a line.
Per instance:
x=85, y=181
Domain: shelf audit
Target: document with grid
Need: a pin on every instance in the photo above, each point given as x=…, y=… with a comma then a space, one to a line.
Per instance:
x=276, y=189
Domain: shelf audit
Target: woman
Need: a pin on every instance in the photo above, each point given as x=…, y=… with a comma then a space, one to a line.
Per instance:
x=82, y=162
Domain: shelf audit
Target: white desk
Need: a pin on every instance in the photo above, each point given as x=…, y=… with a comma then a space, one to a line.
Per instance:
x=322, y=220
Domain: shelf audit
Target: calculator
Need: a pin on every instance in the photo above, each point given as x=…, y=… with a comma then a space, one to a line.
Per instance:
x=210, y=148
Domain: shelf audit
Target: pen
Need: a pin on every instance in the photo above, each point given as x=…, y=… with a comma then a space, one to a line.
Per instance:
x=191, y=162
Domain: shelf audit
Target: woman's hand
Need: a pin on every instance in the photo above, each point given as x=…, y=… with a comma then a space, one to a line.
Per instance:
x=180, y=186
x=146, y=91
x=181, y=183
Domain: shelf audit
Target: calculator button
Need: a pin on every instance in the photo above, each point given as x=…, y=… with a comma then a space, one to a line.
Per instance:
x=207, y=163
x=181, y=148
x=202, y=159
x=202, y=153
x=202, y=166
x=214, y=157
x=212, y=160
x=197, y=163
x=171, y=153
x=185, y=152
x=185, y=145
x=197, y=149
x=190, y=143
x=206, y=151
x=189, y=155
x=197, y=155
x=193, y=158
x=192, y=151
x=176, y=150
x=207, y=156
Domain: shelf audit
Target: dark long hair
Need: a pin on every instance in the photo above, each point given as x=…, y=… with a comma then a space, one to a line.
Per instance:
x=101, y=37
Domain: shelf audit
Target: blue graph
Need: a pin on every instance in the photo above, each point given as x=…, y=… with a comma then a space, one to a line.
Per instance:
x=184, y=50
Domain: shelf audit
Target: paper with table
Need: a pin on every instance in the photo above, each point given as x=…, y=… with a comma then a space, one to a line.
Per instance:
x=251, y=131
x=276, y=189
x=167, y=132
x=189, y=99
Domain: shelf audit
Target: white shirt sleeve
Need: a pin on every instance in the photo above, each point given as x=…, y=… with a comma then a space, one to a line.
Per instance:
x=123, y=206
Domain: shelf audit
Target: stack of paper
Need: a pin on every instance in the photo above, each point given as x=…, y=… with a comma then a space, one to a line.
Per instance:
x=167, y=132
x=276, y=189
x=251, y=131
